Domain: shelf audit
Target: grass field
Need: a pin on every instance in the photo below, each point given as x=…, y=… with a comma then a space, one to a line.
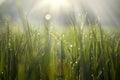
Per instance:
x=74, y=53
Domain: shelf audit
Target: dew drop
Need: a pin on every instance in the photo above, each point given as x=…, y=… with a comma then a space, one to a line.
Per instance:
x=48, y=17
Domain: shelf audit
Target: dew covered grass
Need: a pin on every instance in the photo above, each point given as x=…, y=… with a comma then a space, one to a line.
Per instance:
x=71, y=53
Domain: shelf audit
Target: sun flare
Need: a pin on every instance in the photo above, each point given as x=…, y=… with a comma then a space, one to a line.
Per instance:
x=57, y=2
x=54, y=4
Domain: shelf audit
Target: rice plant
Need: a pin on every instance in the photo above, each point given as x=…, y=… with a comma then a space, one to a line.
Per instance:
x=76, y=53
